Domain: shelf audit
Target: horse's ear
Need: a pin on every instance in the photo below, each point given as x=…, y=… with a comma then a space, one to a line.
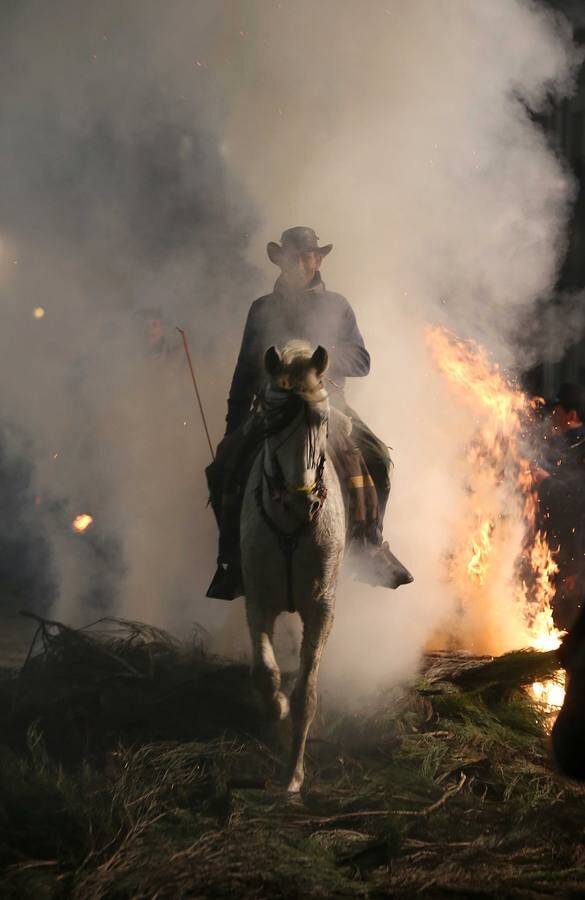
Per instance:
x=272, y=361
x=320, y=359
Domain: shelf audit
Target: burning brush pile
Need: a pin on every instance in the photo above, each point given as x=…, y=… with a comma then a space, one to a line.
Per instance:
x=501, y=566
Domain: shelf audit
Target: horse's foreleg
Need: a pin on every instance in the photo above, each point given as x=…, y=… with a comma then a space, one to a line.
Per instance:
x=265, y=671
x=303, y=701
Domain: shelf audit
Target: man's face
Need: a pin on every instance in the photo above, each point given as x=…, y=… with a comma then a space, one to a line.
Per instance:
x=299, y=269
x=563, y=419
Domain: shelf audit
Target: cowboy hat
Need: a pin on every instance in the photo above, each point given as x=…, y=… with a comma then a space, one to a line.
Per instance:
x=296, y=240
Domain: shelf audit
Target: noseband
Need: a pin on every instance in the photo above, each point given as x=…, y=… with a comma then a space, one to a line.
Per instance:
x=280, y=409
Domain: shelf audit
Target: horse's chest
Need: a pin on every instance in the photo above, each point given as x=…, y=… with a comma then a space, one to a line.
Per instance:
x=313, y=557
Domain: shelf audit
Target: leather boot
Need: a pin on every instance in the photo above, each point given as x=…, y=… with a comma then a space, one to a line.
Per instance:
x=377, y=565
x=226, y=583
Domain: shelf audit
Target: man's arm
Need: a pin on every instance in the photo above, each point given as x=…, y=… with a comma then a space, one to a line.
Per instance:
x=350, y=357
x=245, y=376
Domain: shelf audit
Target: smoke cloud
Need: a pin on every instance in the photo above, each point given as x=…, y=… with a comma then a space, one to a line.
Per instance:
x=148, y=157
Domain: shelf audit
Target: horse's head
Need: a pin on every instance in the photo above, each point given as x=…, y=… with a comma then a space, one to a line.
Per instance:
x=296, y=410
x=568, y=734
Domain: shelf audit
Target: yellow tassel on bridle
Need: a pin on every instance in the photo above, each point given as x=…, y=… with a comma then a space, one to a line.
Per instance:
x=302, y=489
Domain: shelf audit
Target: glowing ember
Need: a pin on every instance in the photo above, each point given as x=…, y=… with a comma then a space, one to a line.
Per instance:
x=549, y=693
x=501, y=565
x=38, y=312
x=81, y=523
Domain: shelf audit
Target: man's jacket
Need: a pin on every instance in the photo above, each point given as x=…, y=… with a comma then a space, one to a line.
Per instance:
x=314, y=315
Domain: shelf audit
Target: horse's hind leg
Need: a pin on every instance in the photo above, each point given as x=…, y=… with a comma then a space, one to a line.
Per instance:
x=265, y=671
x=303, y=701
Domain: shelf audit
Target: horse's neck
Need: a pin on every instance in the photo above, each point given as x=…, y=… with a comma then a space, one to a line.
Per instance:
x=277, y=511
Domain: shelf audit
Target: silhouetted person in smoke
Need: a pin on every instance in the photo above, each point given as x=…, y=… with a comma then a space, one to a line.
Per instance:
x=160, y=339
x=300, y=307
x=562, y=499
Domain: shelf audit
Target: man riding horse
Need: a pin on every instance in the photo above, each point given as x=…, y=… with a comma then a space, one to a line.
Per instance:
x=299, y=307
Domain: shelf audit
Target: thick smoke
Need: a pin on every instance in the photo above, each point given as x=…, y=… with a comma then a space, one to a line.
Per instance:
x=406, y=135
x=149, y=155
x=116, y=200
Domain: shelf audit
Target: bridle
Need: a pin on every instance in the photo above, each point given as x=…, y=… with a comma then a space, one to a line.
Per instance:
x=281, y=409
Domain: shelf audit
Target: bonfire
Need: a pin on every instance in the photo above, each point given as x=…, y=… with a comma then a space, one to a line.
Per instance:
x=501, y=565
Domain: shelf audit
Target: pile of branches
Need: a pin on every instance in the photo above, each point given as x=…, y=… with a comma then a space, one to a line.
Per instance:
x=448, y=670
x=132, y=765
x=118, y=680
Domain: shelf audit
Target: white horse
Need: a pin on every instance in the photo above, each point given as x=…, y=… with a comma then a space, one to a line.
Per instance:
x=293, y=531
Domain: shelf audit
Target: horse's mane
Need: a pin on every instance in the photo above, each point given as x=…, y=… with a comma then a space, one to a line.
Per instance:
x=298, y=375
x=295, y=350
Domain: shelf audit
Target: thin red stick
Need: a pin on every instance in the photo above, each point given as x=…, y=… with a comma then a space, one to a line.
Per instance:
x=188, y=355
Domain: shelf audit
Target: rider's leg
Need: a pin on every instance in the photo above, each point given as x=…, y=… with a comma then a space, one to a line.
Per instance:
x=226, y=478
x=379, y=566
x=216, y=471
x=226, y=583
x=376, y=457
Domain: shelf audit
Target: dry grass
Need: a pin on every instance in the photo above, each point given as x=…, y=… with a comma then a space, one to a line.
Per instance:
x=132, y=766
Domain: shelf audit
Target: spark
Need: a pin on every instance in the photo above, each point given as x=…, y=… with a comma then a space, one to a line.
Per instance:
x=81, y=523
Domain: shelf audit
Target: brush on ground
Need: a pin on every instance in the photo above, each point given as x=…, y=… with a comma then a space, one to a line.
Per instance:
x=132, y=766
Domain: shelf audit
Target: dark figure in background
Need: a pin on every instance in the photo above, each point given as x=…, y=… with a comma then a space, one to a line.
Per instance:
x=568, y=733
x=562, y=500
x=299, y=307
x=160, y=338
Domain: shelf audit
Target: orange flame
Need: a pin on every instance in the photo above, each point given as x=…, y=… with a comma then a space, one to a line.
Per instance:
x=501, y=567
x=481, y=547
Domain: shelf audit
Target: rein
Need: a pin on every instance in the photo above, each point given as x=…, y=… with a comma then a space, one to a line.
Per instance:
x=288, y=542
x=280, y=410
